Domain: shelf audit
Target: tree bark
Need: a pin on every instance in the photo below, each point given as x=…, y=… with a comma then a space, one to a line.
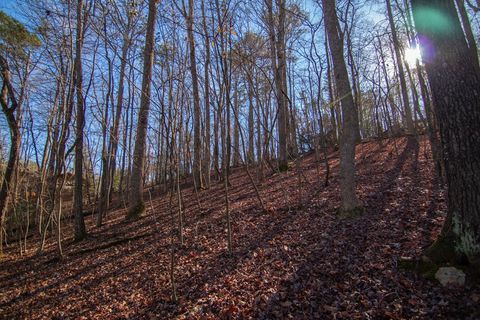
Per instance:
x=197, y=162
x=7, y=93
x=109, y=170
x=401, y=71
x=278, y=60
x=350, y=204
x=455, y=84
x=472, y=45
x=136, y=202
x=207, y=160
x=80, y=231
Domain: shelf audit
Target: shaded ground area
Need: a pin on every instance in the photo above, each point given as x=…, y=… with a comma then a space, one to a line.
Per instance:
x=296, y=261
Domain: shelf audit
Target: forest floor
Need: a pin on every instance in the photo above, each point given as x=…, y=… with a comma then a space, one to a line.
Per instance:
x=296, y=261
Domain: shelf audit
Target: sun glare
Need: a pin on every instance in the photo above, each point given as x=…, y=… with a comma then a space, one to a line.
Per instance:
x=412, y=54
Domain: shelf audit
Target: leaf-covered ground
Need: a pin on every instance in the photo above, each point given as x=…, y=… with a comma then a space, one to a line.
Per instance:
x=298, y=261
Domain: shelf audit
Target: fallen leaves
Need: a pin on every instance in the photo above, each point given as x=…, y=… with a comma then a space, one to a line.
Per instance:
x=295, y=261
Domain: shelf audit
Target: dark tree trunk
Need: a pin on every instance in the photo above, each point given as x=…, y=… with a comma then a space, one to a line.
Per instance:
x=278, y=59
x=468, y=32
x=80, y=231
x=455, y=84
x=207, y=160
x=15, y=138
x=197, y=163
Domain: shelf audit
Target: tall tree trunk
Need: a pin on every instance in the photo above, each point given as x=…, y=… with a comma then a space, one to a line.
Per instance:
x=455, y=84
x=282, y=91
x=350, y=203
x=355, y=86
x=277, y=55
x=331, y=95
x=136, y=202
x=7, y=93
x=197, y=161
x=236, y=126
x=401, y=72
x=80, y=231
x=109, y=170
x=472, y=45
x=251, y=136
x=207, y=160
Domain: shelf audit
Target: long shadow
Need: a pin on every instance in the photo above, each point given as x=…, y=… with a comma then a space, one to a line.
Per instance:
x=389, y=179
x=98, y=266
x=115, y=260
x=356, y=287
x=39, y=265
x=346, y=241
x=244, y=248
x=191, y=287
x=43, y=262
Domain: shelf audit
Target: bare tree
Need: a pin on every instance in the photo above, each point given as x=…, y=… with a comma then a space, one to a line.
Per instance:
x=279, y=65
x=350, y=203
x=401, y=70
x=136, y=202
x=15, y=41
x=80, y=231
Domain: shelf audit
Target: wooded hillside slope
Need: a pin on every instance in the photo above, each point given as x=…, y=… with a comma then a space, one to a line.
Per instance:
x=298, y=260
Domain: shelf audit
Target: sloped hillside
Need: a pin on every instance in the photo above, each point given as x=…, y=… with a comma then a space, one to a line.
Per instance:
x=297, y=260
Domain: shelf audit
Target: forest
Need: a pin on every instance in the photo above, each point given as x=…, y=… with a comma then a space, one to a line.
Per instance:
x=232, y=159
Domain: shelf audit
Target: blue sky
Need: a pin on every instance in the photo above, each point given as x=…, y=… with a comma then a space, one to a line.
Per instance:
x=8, y=6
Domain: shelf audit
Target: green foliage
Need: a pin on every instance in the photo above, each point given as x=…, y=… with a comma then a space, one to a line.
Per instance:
x=14, y=36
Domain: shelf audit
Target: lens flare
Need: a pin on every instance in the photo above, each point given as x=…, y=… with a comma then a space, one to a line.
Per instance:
x=412, y=54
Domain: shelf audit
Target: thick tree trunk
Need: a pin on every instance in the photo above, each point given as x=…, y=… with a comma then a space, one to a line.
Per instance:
x=455, y=84
x=350, y=204
x=355, y=86
x=136, y=202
